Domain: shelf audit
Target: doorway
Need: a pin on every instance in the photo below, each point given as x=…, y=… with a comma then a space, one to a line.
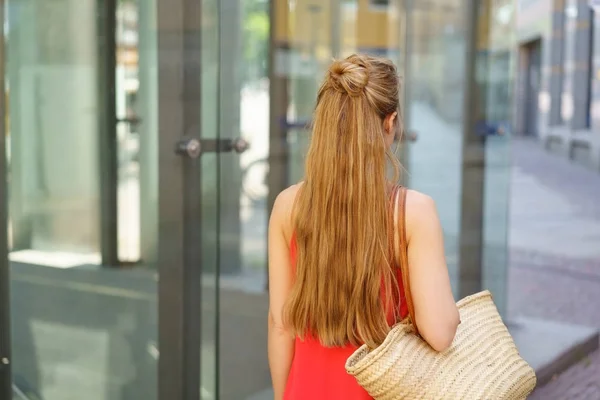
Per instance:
x=532, y=87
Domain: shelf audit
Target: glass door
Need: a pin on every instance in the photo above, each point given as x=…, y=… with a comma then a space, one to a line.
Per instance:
x=199, y=186
x=304, y=36
x=81, y=327
x=119, y=223
x=186, y=120
x=449, y=59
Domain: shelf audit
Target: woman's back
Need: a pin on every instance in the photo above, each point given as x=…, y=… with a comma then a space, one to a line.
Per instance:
x=333, y=282
x=317, y=371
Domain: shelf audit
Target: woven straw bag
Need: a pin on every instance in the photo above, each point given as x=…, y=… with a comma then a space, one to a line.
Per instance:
x=481, y=364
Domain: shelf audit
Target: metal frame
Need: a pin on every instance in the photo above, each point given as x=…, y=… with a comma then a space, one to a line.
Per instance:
x=471, y=241
x=179, y=288
x=335, y=16
x=406, y=87
x=5, y=341
x=279, y=158
x=107, y=124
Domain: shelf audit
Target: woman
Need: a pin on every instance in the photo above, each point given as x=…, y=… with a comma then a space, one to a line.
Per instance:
x=332, y=280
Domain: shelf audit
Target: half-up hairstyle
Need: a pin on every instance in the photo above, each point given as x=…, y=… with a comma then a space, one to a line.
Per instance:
x=345, y=285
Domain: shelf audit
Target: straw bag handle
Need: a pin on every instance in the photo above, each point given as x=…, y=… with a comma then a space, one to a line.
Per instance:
x=401, y=248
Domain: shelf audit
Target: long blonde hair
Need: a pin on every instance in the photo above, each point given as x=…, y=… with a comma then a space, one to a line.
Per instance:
x=342, y=212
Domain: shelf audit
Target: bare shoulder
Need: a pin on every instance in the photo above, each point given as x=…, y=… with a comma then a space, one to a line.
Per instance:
x=417, y=202
x=285, y=199
x=282, y=209
x=420, y=210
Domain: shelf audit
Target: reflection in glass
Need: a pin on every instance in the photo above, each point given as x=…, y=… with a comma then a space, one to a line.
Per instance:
x=495, y=84
x=211, y=228
x=54, y=166
x=128, y=130
x=307, y=35
x=435, y=112
x=243, y=90
x=80, y=331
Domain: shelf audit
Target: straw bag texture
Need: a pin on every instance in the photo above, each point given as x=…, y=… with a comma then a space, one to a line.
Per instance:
x=482, y=364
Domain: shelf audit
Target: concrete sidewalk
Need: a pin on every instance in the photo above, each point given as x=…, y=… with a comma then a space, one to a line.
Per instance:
x=555, y=255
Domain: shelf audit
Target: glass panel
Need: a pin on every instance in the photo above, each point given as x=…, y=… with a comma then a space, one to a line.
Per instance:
x=210, y=199
x=243, y=94
x=307, y=35
x=145, y=108
x=435, y=86
x=54, y=113
x=495, y=80
x=128, y=130
x=248, y=97
x=367, y=27
x=80, y=330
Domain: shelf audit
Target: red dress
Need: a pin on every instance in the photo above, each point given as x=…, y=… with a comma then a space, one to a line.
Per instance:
x=318, y=372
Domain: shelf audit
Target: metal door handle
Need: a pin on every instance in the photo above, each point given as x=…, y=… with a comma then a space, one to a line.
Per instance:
x=130, y=120
x=240, y=145
x=194, y=147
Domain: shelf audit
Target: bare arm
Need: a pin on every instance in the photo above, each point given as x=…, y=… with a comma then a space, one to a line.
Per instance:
x=281, y=342
x=436, y=313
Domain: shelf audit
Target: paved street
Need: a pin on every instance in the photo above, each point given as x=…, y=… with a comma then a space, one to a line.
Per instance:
x=554, y=231
x=555, y=254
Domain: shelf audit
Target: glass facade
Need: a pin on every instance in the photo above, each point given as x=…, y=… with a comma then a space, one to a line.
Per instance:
x=82, y=326
x=54, y=129
x=436, y=91
x=137, y=263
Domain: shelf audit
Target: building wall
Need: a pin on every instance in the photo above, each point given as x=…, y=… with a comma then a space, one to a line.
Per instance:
x=569, y=88
x=534, y=22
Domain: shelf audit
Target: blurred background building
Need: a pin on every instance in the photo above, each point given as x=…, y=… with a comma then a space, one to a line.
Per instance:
x=135, y=253
x=557, y=81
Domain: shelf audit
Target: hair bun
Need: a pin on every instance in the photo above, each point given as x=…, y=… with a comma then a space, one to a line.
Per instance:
x=349, y=75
